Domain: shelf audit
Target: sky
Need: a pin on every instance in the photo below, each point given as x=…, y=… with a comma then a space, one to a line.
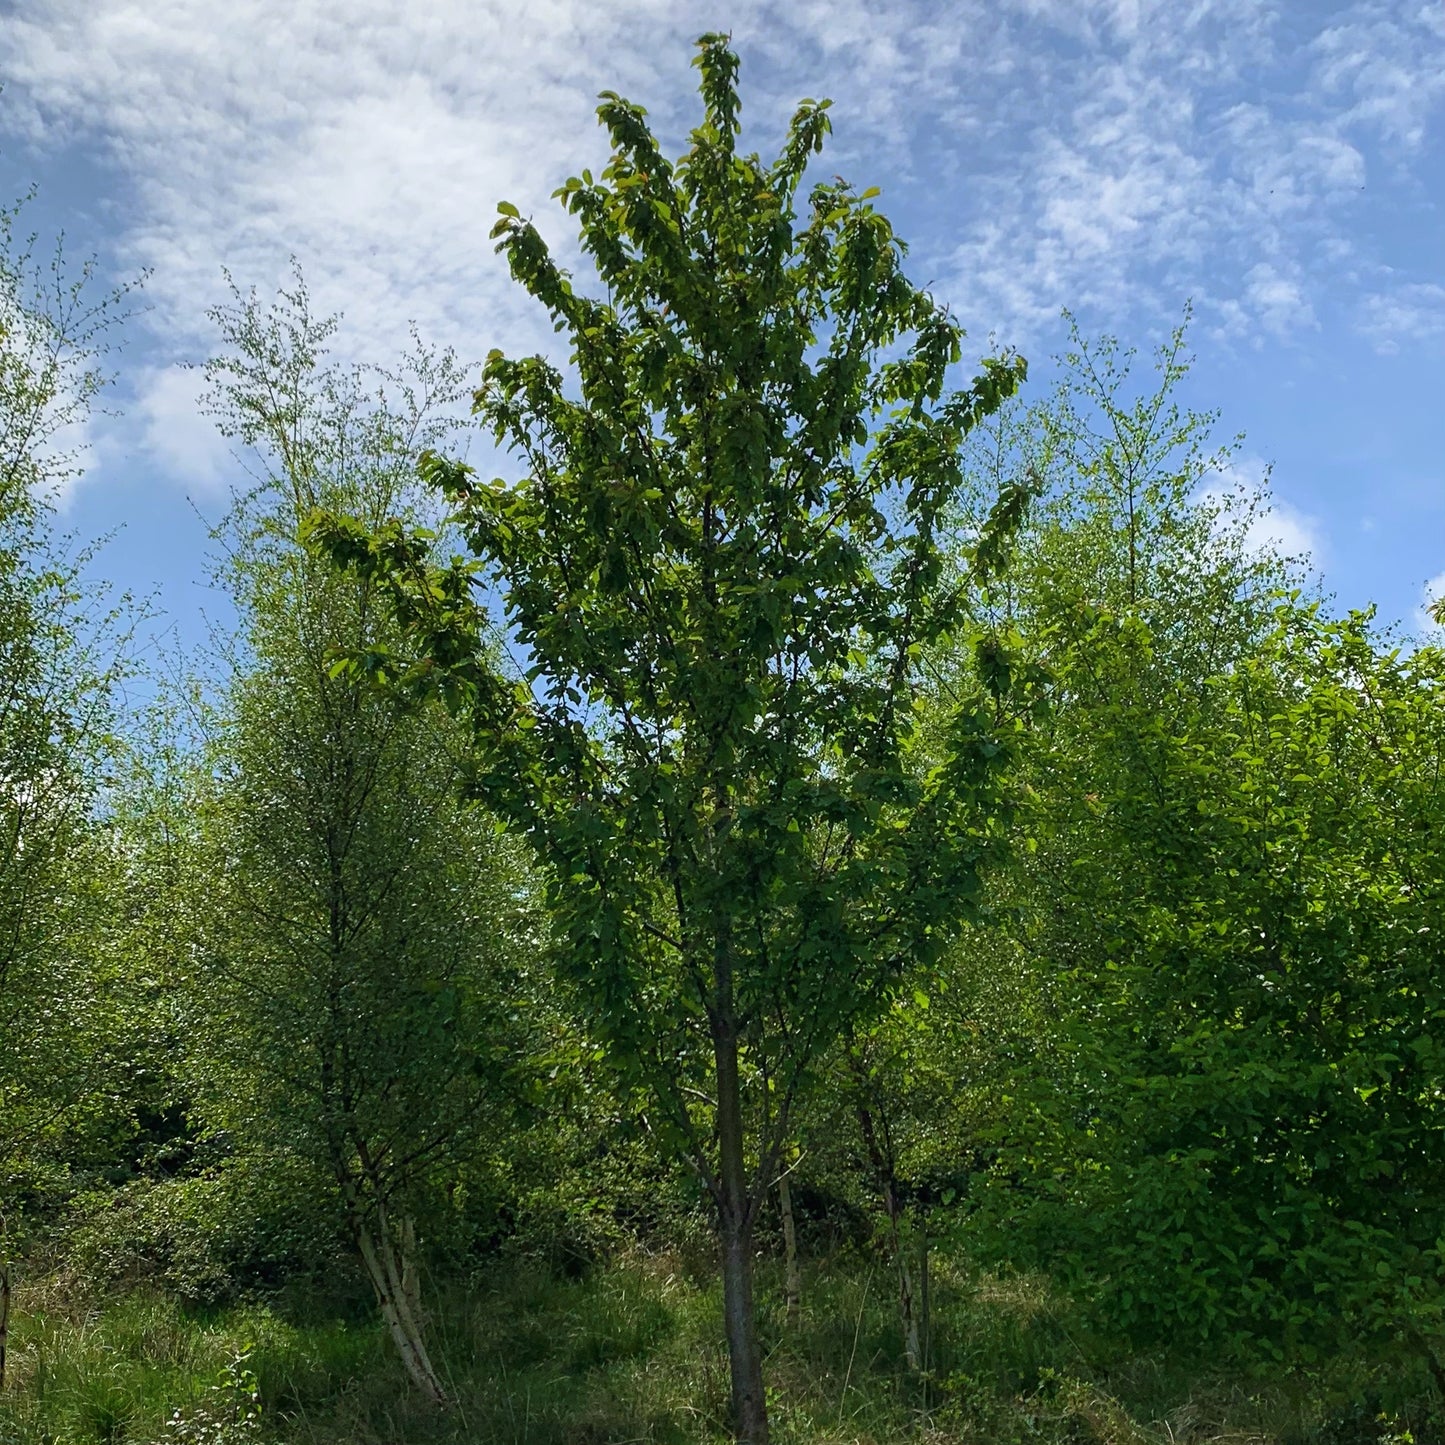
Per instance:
x=1277, y=164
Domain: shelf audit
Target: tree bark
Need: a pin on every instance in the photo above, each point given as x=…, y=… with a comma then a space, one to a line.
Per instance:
x=793, y=1286
x=735, y=1223
x=410, y=1284
x=907, y=1316
x=925, y=1292
x=381, y=1269
x=401, y=1277
x=4, y=1317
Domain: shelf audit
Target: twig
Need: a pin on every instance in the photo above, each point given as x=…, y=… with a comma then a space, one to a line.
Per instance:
x=853, y=1353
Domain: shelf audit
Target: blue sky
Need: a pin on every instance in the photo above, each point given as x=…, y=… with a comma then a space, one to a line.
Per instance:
x=1280, y=164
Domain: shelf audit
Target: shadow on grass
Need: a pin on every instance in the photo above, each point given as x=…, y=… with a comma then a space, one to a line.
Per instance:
x=631, y=1355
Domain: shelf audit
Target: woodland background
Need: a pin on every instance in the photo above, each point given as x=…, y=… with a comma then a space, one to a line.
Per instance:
x=328, y=1111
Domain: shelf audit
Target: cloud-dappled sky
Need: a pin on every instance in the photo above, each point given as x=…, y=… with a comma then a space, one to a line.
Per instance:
x=1279, y=162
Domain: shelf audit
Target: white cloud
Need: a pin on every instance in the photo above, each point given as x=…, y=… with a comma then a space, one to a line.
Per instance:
x=1113, y=155
x=1284, y=528
x=1432, y=592
x=1407, y=314
x=372, y=141
x=1246, y=499
x=69, y=454
x=1278, y=300
x=181, y=441
x=1387, y=60
x=1178, y=154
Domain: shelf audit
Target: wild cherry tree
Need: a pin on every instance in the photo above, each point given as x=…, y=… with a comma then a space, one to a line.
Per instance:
x=720, y=567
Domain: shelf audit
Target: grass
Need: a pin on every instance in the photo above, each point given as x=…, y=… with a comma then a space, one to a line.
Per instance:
x=631, y=1356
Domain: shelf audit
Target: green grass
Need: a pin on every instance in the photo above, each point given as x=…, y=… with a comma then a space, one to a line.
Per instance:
x=631, y=1354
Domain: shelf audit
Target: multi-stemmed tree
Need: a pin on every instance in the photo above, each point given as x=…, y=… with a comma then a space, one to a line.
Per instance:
x=360, y=926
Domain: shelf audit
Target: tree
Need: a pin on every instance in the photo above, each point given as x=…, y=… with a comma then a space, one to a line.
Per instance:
x=1241, y=1146
x=1139, y=516
x=1139, y=510
x=364, y=927
x=1134, y=512
x=1221, y=1069
x=720, y=569
x=61, y=654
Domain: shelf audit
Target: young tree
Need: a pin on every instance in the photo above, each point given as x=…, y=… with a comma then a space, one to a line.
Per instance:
x=1139, y=509
x=1139, y=516
x=365, y=926
x=59, y=651
x=721, y=568
x=1221, y=1068
x=1247, y=992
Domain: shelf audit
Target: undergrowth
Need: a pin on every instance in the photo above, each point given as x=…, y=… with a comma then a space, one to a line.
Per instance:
x=630, y=1356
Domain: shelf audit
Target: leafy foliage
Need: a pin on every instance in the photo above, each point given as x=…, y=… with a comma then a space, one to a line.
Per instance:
x=1223, y=923
x=722, y=565
x=62, y=653
x=1252, y=1013
x=361, y=932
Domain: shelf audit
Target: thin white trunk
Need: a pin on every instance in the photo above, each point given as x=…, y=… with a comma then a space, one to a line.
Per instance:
x=410, y=1282
x=925, y=1297
x=908, y=1316
x=379, y=1257
x=382, y=1271
x=794, y=1285
x=401, y=1273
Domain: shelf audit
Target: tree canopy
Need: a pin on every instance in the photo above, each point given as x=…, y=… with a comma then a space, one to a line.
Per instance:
x=722, y=566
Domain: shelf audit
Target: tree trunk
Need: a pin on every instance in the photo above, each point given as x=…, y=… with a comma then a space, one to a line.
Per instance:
x=394, y=1282
x=881, y=1159
x=907, y=1315
x=405, y=1334
x=401, y=1278
x=925, y=1293
x=749, y=1407
x=410, y=1284
x=735, y=1223
x=4, y=1316
x=793, y=1288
